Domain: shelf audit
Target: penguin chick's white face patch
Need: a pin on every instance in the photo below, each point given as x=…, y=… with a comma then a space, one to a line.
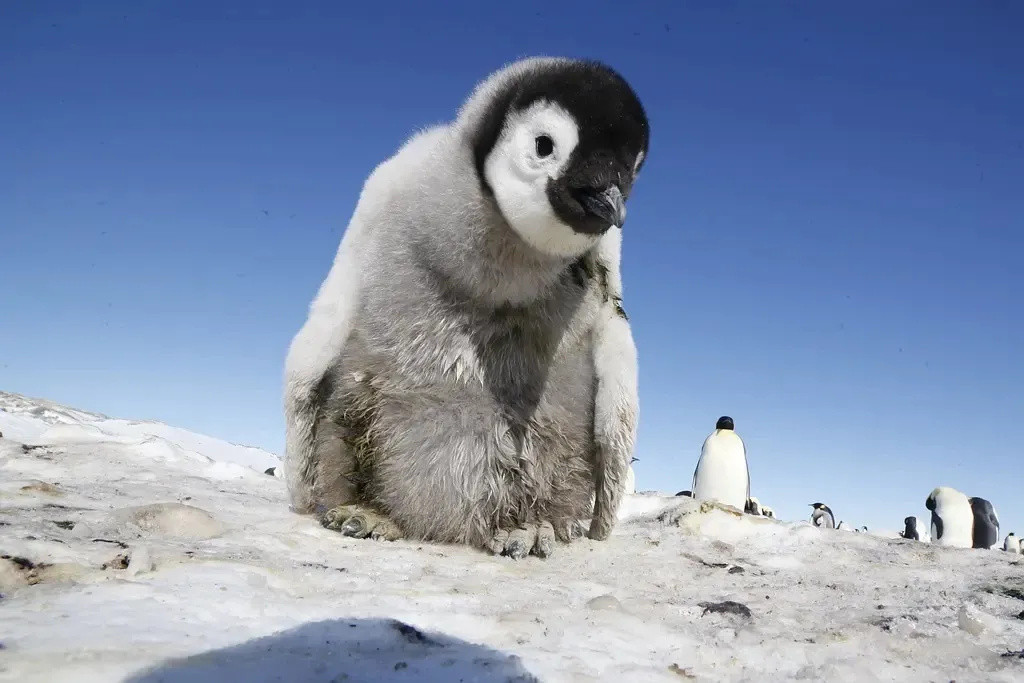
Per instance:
x=533, y=149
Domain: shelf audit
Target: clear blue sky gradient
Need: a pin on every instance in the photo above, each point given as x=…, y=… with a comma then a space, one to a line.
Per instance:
x=826, y=241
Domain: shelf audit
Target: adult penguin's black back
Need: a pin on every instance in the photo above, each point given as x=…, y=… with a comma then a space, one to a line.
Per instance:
x=986, y=523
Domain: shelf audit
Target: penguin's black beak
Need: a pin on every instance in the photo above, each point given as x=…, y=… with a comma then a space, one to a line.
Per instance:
x=605, y=203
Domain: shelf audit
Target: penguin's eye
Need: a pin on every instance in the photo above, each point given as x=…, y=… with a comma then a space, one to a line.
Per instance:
x=545, y=145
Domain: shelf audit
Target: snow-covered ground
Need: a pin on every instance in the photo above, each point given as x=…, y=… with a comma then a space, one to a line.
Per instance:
x=136, y=551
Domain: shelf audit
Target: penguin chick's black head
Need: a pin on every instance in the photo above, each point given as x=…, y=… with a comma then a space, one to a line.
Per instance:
x=589, y=191
x=725, y=422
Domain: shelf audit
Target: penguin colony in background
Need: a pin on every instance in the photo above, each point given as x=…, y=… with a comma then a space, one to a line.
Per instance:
x=723, y=475
x=466, y=372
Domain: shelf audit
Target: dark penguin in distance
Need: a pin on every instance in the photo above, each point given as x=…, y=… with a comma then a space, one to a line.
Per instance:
x=910, y=529
x=986, y=523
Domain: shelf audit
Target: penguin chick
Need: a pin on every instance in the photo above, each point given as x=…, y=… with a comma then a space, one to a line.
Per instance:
x=722, y=473
x=986, y=523
x=1011, y=544
x=467, y=373
x=952, y=517
x=821, y=516
x=910, y=529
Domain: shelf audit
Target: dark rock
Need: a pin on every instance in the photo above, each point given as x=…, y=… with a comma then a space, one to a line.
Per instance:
x=65, y=524
x=726, y=607
x=412, y=634
x=21, y=562
x=119, y=562
x=270, y=471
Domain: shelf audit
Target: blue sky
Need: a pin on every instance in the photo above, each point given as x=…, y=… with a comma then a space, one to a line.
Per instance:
x=825, y=242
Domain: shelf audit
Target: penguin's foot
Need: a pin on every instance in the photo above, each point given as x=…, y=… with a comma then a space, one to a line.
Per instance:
x=600, y=528
x=357, y=521
x=538, y=539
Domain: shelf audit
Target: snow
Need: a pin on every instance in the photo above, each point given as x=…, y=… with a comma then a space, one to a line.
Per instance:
x=146, y=553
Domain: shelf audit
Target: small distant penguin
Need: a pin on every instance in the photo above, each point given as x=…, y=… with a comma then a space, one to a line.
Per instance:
x=843, y=526
x=952, y=517
x=631, y=477
x=722, y=473
x=767, y=511
x=863, y=530
x=753, y=507
x=1012, y=544
x=986, y=523
x=822, y=516
x=910, y=529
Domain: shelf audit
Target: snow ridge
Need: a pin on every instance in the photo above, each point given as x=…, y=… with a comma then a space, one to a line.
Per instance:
x=138, y=551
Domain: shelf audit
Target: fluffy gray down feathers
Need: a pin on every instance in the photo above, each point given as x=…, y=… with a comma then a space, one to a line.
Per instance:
x=450, y=376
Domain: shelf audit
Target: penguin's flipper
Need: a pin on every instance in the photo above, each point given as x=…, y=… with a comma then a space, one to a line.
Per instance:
x=313, y=352
x=747, y=463
x=616, y=402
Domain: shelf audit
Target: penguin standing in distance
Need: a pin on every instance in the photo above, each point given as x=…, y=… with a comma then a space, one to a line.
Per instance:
x=1011, y=544
x=722, y=473
x=466, y=372
x=910, y=529
x=756, y=508
x=952, y=517
x=822, y=517
x=986, y=523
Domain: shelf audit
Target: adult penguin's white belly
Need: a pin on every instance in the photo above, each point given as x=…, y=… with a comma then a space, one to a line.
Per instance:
x=722, y=470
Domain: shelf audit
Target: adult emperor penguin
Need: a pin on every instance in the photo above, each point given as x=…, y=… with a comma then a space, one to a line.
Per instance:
x=952, y=517
x=1011, y=544
x=467, y=373
x=910, y=529
x=722, y=473
x=986, y=523
x=821, y=516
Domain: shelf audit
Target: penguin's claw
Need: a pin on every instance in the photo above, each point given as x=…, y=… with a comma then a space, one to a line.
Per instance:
x=356, y=521
x=536, y=539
